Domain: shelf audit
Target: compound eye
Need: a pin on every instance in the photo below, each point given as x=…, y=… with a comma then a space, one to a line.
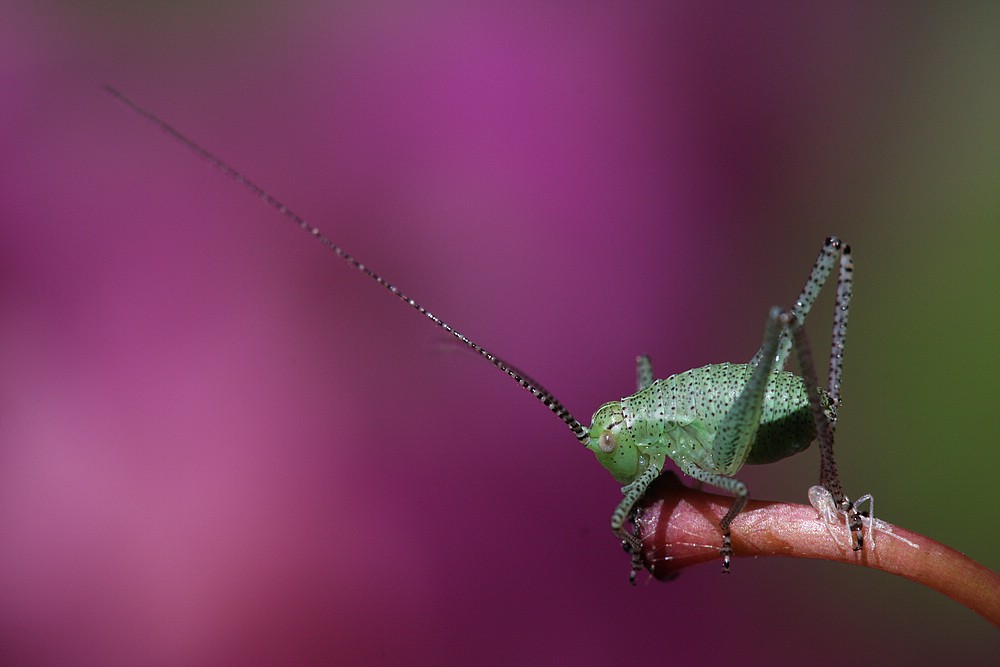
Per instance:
x=607, y=443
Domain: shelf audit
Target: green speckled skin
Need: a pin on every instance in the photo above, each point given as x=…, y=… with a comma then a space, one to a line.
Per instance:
x=677, y=417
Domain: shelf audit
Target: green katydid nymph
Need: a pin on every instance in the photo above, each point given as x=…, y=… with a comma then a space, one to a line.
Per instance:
x=709, y=421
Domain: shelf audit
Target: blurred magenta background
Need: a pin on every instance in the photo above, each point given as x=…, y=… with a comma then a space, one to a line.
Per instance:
x=219, y=446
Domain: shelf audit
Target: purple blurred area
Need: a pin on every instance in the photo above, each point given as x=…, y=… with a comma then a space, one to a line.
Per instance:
x=220, y=446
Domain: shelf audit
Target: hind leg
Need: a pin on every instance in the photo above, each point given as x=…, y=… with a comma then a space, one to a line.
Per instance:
x=834, y=251
x=738, y=428
x=643, y=372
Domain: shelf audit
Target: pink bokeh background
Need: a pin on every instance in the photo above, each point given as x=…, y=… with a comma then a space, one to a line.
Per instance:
x=219, y=446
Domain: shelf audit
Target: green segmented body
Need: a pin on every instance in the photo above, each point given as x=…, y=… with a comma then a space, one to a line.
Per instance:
x=678, y=417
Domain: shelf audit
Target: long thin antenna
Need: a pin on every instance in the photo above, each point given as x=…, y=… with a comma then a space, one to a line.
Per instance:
x=537, y=390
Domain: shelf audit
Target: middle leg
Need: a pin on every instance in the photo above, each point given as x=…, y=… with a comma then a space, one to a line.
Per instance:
x=737, y=431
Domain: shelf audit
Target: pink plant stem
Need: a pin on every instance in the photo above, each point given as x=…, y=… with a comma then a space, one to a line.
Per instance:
x=679, y=527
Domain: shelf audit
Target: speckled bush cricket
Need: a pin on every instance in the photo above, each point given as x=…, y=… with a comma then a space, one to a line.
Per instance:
x=709, y=420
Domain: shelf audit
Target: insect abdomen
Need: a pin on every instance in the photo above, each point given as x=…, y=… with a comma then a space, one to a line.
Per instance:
x=706, y=394
x=786, y=422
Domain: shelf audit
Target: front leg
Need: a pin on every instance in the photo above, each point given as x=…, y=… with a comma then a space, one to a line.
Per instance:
x=630, y=541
